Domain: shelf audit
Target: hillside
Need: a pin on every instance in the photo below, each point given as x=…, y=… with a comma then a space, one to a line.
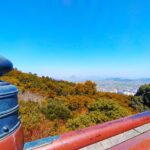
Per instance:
x=50, y=107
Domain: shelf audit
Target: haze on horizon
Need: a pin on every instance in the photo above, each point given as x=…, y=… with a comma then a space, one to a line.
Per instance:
x=77, y=38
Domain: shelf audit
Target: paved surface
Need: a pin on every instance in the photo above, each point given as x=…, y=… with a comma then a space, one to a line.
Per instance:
x=115, y=140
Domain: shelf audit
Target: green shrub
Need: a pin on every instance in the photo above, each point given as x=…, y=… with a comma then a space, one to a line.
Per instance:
x=110, y=108
x=141, y=101
x=83, y=121
x=55, y=109
x=98, y=117
x=30, y=114
x=79, y=122
x=138, y=104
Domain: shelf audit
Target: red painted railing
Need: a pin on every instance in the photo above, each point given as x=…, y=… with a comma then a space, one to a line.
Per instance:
x=81, y=138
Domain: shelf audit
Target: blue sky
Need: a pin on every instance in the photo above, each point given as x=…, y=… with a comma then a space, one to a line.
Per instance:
x=84, y=38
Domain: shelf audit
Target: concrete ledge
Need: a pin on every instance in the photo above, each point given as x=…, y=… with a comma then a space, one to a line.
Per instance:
x=118, y=139
x=141, y=142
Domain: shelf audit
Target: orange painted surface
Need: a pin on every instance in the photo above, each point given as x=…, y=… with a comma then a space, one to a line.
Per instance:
x=81, y=138
x=7, y=143
x=19, y=139
x=13, y=141
x=141, y=142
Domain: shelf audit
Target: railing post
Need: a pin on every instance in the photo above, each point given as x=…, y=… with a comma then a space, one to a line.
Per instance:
x=11, y=135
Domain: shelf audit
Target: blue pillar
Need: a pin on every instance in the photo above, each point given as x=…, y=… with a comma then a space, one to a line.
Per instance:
x=9, y=117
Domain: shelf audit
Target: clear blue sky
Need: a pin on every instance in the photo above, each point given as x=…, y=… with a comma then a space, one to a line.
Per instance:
x=61, y=38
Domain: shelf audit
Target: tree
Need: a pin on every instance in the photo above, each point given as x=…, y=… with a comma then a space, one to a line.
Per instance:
x=87, y=88
x=141, y=101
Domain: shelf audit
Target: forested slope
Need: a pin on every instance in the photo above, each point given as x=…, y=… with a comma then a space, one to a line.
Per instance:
x=50, y=107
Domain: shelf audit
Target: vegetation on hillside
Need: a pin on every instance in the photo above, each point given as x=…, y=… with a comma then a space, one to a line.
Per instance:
x=49, y=107
x=141, y=101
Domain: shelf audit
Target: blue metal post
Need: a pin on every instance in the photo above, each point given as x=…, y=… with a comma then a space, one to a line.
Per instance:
x=9, y=118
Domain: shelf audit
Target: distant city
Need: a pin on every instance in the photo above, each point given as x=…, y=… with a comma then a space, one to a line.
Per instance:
x=123, y=86
x=116, y=85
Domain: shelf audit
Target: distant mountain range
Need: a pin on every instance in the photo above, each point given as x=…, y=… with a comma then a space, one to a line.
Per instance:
x=129, y=80
x=94, y=78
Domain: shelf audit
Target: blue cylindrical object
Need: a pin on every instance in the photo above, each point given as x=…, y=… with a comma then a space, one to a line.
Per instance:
x=9, y=117
x=5, y=65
